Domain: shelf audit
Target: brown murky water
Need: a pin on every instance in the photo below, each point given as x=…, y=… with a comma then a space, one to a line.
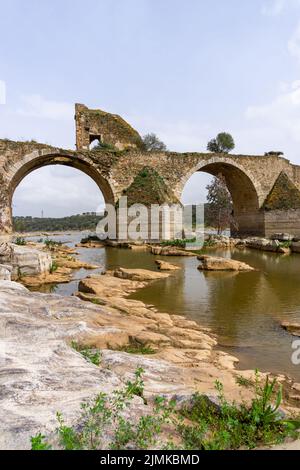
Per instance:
x=244, y=309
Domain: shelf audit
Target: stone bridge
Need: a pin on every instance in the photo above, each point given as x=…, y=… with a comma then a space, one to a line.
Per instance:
x=265, y=189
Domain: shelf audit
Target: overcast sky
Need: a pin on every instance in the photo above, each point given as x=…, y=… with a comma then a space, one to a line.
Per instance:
x=184, y=70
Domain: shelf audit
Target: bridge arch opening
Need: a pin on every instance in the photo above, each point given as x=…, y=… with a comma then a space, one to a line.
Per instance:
x=247, y=219
x=87, y=181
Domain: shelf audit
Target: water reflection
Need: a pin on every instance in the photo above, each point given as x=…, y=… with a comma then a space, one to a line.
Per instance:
x=244, y=309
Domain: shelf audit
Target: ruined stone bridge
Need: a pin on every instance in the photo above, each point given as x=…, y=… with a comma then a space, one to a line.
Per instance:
x=265, y=189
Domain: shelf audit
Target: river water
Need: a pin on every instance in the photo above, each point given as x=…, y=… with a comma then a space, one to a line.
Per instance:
x=244, y=310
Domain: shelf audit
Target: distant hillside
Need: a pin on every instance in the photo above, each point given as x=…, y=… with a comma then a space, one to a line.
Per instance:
x=47, y=224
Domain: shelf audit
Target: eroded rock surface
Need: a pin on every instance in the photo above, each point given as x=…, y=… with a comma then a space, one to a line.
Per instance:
x=139, y=274
x=211, y=263
x=164, y=266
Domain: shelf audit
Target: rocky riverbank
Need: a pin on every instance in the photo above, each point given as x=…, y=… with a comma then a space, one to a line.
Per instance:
x=42, y=373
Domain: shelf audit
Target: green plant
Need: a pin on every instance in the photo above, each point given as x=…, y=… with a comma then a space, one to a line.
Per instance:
x=90, y=354
x=229, y=426
x=244, y=382
x=152, y=143
x=51, y=244
x=137, y=349
x=38, y=442
x=199, y=425
x=20, y=241
x=53, y=267
x=223, y=143
x=286, y=244
x=179, y=243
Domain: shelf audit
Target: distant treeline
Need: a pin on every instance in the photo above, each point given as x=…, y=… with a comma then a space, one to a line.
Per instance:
x=49, y=224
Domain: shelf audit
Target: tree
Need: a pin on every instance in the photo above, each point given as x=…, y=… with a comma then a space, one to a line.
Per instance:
x=223, y=143
x=219, y=211
x=152, y=143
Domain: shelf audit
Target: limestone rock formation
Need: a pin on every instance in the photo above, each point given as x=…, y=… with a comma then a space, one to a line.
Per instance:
x=25, y=261
x=211, y=263
x=295, y=247
x=5, y=272
x=293, y=328
x=42, y=374
x=169, y=251
x=139, y=274
x=164, y=266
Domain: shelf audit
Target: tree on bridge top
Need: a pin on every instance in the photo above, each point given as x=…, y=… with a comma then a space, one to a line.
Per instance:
x=223, y=143
x=152, y=143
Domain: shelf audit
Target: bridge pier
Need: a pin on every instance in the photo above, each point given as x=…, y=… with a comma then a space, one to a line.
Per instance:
x=250, y=223
x=6, y=224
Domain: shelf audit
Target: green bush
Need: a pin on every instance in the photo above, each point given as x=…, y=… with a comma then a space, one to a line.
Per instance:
x=199, y=425
x=179, y=243
x=90, y=354
x=20, y=241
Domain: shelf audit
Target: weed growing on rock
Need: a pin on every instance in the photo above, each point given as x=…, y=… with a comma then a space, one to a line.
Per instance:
x=202, y=423
x=90, y=354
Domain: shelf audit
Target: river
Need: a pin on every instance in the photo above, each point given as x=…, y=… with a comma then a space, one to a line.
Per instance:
x=244, y=310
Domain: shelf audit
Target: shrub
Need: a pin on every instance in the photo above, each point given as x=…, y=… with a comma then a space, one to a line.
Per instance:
x=90, y=354
x=20, y=241
x=200, y=425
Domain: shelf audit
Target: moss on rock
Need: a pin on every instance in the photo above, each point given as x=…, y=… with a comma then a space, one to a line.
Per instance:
x=149, y=188
x=283, y=196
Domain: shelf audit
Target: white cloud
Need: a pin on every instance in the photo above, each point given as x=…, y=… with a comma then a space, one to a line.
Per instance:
x=57, y=191
x=277, y=7
x=277, y=123
x=273, y=7
x=37, y=106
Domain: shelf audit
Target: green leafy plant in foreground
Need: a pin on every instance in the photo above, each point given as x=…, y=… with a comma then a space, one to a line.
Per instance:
x=38, y=442
x=90, y=354
x=53, y=267
x=199, y=425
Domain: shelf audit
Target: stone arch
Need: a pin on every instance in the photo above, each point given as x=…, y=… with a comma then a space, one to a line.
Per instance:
x=39, y=159
x=246, y=193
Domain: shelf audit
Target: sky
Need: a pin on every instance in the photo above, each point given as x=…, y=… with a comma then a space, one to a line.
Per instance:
x=184, y=70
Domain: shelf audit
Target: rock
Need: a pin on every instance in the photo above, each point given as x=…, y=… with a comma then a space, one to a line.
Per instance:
x=164, y=266
x=138, y=274
x=220, y=241
x=295, y=247
x=41, y=373
x=60, y=276
x=5, y=250
x=263, y=244
x=210, y=263
x=5, y=272
x=11, y=286
x=293, y=328
x=72, y=263
x=25, y=261
x=90, y=244
x=169, y=251
x=140, y=248
x=282, y=237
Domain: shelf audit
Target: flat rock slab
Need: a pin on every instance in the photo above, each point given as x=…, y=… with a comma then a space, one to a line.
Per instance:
x=293, y=328
x=139, y=274
x=169, y=251
x=210, y=263
x=164, y=266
